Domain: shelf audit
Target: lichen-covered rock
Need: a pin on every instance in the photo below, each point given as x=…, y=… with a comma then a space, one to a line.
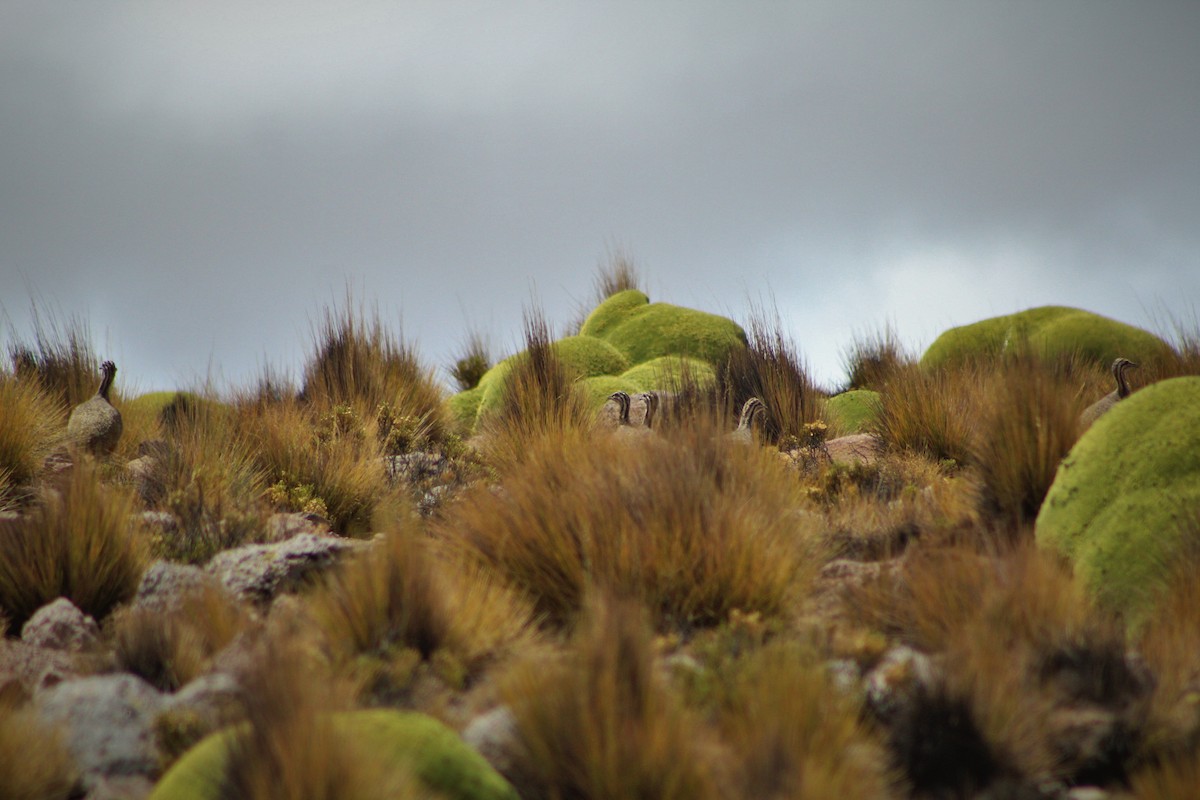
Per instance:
x=29, y=670
x=409, y=742
x=1051, y=330
x=108, y=723
x=59, y=625
x=260, y=571
x=165, y=584
x=1119, y=497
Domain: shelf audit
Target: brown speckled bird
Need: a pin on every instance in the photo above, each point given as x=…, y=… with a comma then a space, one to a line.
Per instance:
x=95, y=424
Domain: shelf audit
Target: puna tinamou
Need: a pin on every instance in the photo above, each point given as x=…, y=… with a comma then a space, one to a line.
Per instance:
x=95, y=425
x=1098, y=408
x=754, y=411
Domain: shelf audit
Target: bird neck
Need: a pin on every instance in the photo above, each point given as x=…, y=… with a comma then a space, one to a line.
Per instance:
x=105, y=384
x=1122, y=382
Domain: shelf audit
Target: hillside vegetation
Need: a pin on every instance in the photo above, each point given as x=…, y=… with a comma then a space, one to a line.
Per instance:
x=928, y=583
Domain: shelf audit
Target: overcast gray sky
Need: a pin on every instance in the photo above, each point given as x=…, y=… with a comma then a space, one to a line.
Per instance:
x=201, y=179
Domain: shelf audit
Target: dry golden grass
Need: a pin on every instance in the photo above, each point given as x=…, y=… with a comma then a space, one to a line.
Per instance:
x=34, y=763
x=770, y=369
x=539, y=399
x=691, y=524
x=207, y=475
x=60, y=357
x=169, y=649
x=358, y=364
x=1020, y=641
x=1028, y=421
x=31, y=426
x=874, y=510
x=1169, y=642
x=331, y=463
x=873, y=359
x=930, y=412
x=793, y=734
x=387, y=598
x=600, y=723
x=290, y=749
x=82, y=545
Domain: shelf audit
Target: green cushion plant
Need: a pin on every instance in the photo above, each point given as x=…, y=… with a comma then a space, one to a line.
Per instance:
x=1121, y=498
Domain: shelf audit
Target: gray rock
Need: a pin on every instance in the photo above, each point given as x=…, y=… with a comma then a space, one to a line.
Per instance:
x=494, y=736
x=121, y=787
x=59, y=625
x=211, y=697
x=29, y=670
x=286, y=525
x=260, y=571
x=166, y=583
x=897, y=679
x=107, y=723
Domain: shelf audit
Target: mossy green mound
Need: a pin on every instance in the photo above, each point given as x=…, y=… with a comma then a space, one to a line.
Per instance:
x=414, y=743
x=598, y=389
x=670, y=372
x=170, y=407
x=464, y=407
x=613, y=311
x=853, y=411
x=643, y=330
x=645, y=345
x=1052, y=331
x=1117, y=502
x=584, y=357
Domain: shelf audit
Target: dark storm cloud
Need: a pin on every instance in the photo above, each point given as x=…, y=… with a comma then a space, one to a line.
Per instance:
x=202, y=181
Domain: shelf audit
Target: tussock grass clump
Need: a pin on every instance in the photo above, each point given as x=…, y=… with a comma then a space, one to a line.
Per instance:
x=34, y=763
x=290, y=749
x=82, y=545
x=206, y=474
x=1169, y=642
x=1024, y=649
x=60, y=358
x=474, y=360
x=170, y=648
x=538, y=399
x=31, y=425
x=385, y=599
x=929, y=411
x=600, y=722
x=873, y=360
x=770, y=369
x=360, y=365
x=1029, y=421
x=692, y=524
x=873, y=510
x=330, y=464
x=794, y=734
x=618, y=274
